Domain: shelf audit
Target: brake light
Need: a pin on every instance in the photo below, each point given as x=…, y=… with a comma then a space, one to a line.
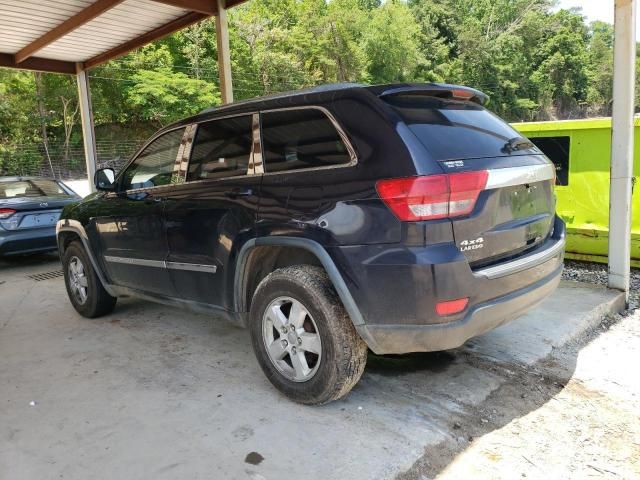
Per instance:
x=460, y=94
x=6, y=213
x=451, y=307
x=431, y=197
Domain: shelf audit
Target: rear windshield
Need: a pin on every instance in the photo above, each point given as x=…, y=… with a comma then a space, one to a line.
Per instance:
x=31, y=188
x=454, y=130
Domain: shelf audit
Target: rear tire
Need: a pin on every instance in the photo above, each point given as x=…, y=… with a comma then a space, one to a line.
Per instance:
x=303, y=338
x=86, y=293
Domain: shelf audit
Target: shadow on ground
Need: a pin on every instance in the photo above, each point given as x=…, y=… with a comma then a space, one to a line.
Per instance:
x=522, y=389
x=22, y=261
x=171, y=394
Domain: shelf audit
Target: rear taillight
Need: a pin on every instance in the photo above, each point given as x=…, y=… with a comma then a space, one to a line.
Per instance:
x=6, y=213
x=431, y=197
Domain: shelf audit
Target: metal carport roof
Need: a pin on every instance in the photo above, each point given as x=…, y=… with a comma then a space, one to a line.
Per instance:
x=71, y=36
x=66, y=35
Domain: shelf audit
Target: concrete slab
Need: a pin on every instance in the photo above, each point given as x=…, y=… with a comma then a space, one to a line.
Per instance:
x=574, y=308
x=155, y=392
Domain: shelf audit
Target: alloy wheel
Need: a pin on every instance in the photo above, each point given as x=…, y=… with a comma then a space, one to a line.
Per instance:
x=78, y=280
x=291, y=339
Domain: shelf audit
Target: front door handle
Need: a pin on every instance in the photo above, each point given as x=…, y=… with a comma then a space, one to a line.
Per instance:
x=239, y=192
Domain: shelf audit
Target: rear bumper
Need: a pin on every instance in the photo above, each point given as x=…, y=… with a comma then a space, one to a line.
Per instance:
x=386, y=339
x=18, y=242
x=396, y=289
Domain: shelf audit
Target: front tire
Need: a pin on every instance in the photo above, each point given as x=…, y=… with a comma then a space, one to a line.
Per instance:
x=303, y=337
x=86, y=293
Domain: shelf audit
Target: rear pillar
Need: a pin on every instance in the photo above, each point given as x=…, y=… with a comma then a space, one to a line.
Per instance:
x=224, y=53
x=86, y=117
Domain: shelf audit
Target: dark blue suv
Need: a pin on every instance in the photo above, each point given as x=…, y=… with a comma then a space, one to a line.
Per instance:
x=401, y=218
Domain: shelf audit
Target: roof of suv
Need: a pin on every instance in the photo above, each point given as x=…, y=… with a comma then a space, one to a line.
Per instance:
x=319, y=93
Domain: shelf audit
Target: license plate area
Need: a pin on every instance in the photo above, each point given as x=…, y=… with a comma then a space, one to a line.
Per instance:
x=39, y=220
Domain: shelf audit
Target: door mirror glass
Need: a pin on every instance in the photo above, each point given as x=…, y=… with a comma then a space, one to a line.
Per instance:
x=105, y=178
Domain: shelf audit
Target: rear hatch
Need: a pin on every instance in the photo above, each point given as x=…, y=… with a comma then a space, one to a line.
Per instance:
x=32, y=203
x=501, y=199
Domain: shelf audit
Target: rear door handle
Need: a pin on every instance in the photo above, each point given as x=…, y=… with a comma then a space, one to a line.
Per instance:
x=239, y=192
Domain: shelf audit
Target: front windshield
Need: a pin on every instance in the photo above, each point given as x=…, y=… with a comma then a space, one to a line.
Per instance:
x=31, y=188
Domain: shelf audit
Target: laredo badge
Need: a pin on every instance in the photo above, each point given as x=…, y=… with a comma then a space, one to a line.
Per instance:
x=476, y=244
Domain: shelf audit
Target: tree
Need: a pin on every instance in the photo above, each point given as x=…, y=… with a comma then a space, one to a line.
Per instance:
x=533, y=60
x=163, y=96
x=600, y=69
x=391, y=43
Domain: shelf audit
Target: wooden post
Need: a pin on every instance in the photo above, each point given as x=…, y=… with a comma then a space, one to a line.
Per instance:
x=224, y=53
x=86, y=117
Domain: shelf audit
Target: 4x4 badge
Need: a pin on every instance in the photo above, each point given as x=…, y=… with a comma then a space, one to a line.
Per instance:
x=476, y=244
x=454, y=164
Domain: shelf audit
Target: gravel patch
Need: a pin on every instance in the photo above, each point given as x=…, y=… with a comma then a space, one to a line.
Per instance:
x=596, y=273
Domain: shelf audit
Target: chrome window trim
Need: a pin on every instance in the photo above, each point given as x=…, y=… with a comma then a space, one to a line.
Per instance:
x=257, y=158
x=341, y=133
x=255, y=168
x=511, y=176
x=181, y=168
x=142, y=262
x=523, y=263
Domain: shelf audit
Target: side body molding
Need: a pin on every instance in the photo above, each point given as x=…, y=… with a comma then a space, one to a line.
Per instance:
x=74, y=226
x=307, y=244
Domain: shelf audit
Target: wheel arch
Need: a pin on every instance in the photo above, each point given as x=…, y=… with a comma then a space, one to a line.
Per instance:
x=69, y=230
x=313, y=249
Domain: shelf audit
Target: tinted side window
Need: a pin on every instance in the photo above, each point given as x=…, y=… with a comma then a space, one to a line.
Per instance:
x=295, y=139
x=154, y=166
x=557, y=149
x=222, y=148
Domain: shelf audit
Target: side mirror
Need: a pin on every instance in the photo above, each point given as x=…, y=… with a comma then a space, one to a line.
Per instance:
x=104, y=179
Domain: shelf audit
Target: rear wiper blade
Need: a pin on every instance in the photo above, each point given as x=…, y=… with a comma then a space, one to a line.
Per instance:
x=517, y=143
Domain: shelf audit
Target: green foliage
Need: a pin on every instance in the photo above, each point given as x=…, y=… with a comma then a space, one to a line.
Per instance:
x=164, y=96
x=534, y=61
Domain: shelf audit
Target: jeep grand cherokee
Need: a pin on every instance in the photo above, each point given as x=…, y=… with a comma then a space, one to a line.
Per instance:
x=401, y=218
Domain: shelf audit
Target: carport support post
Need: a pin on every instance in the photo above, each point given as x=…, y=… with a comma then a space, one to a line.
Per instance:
x=624, y=64
x=224, y=53
x=86, y=117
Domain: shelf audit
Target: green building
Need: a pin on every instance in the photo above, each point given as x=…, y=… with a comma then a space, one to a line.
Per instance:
x=581, y=150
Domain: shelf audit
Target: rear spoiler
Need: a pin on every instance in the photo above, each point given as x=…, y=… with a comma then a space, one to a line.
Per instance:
x=441, y=90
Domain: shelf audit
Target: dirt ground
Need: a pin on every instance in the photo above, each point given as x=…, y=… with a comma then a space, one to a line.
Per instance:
x=584, y=419
x=155, y=392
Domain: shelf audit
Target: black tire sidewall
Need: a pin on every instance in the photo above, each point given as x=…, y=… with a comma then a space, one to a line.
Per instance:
x=326, y=310
x=90, y=307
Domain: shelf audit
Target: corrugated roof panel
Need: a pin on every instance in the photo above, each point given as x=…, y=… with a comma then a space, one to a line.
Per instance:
x=24, y=21
x=32, y=18
x=122, y=23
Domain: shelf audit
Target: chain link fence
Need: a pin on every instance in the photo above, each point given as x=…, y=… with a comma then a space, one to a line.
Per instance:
x=64, y=163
